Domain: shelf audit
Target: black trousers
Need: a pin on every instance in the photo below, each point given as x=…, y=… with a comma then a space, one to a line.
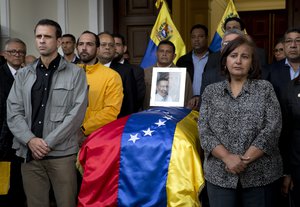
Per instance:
x=295, y=172
x=263, y=196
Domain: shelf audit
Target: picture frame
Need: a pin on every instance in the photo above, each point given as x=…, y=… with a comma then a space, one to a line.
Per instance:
x=168, y=86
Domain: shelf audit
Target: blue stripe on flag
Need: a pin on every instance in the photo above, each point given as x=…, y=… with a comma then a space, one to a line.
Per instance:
x=145, y=154
x=149, y=58
x=215, y=45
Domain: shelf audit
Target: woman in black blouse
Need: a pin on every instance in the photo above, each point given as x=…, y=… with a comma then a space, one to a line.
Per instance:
x=239, y=124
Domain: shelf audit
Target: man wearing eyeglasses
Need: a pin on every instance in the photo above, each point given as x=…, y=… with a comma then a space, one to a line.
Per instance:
x=282, y=72
x=106, y=55
x=278, y=50
x=280, y=75
x=14, y=53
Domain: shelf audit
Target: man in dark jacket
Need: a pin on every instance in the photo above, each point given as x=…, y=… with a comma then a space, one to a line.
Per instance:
x=196, y=59
x=138, y=72
x=106, y=55
x=15, y=51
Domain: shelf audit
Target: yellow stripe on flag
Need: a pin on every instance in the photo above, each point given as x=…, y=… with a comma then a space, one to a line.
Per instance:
x=4, y=177
x=185, y=177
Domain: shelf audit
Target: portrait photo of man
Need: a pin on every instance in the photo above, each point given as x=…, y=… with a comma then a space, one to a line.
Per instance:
x=162, y=90
x=168, y=87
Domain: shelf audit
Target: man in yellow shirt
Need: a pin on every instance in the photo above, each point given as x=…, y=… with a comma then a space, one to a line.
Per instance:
x=105, y=85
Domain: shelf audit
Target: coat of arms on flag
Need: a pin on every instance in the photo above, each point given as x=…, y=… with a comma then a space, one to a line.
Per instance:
x=163, y=29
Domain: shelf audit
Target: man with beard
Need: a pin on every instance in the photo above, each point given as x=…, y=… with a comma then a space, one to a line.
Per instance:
x=105, y=85
x=196, y=59
x=138, y=72
x=106, y=55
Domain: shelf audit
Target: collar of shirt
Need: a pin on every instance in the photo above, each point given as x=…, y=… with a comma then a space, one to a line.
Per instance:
x=227, y=88
x=52, y=66
x=108, y=64
x=166, y=66
x=293, y=74
x=12, y=70
x=196, y=58
x=160, y=98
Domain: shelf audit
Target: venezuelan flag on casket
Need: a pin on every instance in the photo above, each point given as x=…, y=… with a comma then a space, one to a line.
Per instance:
x=150, y=158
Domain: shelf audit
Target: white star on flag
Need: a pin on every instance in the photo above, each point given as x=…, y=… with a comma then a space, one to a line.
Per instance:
x=168, y=117
x=160, y=123
x=133, y=138
x=148, y=132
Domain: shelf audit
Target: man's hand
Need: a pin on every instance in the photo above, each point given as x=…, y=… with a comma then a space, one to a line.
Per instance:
x=38, y=147
x=193, y=103
x=287, y=185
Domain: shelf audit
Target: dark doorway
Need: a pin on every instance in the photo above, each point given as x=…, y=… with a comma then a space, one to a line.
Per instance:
x=265, y=27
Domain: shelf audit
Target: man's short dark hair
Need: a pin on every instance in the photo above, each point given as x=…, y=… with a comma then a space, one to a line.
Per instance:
x=50, y=23
x=117, y=35
x=167, y=42
x=161, y=79
x=105, y=32
x=97, y=41
x=200, y=26
x=70, y=36
x=229, y=19
x=296, y=30
x=15, y=40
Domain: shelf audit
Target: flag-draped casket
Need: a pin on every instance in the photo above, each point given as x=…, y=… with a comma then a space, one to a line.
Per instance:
x=150, y=158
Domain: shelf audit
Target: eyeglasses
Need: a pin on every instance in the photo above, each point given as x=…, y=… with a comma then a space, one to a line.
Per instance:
x=16, y=52
x=278, y=50
x=291, y=41
x=225, y=43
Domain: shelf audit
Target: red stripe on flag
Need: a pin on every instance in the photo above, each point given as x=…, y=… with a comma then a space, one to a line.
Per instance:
x=98, y=157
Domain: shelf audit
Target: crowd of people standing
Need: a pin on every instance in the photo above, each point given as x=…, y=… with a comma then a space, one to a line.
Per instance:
x=248, y=123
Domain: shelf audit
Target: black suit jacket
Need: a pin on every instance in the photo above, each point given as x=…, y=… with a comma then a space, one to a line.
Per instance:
x=278, y=73
x=187, y=61
x=291, y=127
x=212, y=71
x=139, y=78
x=129, y=88
x=6, y=137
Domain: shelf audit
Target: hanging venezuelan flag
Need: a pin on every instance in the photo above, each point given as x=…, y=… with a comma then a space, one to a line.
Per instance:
x=163, y=29
x=230, y=11
x=150, y=158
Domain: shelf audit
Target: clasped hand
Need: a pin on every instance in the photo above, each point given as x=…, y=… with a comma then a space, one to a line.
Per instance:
x=38, y=147
x=236, y=164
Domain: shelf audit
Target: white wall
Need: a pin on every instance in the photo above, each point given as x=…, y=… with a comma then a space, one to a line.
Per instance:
x=75, y=16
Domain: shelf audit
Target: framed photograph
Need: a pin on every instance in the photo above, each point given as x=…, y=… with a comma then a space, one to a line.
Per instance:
x=168, y=87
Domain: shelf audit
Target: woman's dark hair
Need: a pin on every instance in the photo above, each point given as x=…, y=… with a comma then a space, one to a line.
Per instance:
x=255, y=71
